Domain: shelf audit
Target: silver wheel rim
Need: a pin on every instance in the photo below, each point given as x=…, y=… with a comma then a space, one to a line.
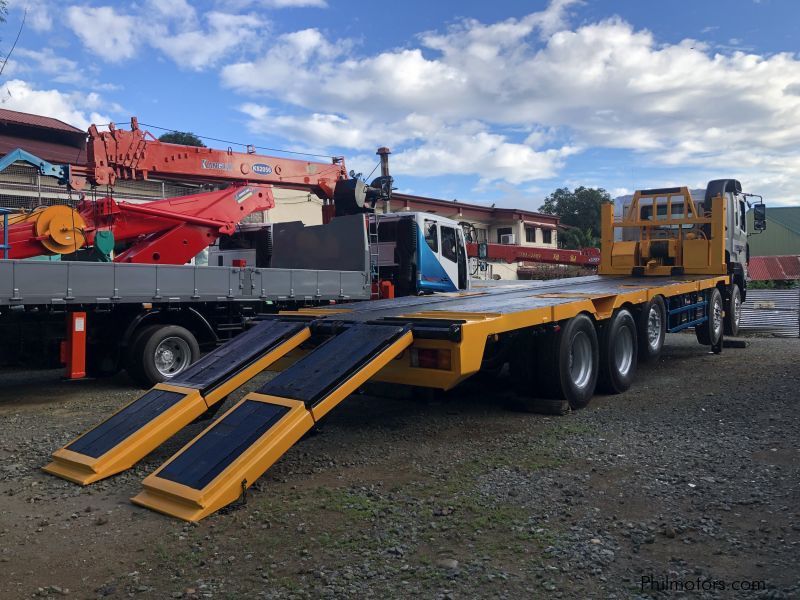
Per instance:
x=717, y=317
x=737, y=309
x=654, y=328
x=623, y=350
x=580, y=359
x=172, y=356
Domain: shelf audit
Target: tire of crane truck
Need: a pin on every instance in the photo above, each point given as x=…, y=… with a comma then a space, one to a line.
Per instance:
x=651, y=329
x=709, y=332
x=618, y=354
x=733, y=310
x=568, y=361
x=160, y=352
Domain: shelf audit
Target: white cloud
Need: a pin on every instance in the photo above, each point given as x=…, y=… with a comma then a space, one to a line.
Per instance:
x=77, y=109
x=200, y=48
x=174, y=28
x=277, y=4
x=602, y=84
x=109, y=34
x=39, y=15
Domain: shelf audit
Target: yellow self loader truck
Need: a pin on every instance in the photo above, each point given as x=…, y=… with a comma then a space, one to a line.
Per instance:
x=682, y=264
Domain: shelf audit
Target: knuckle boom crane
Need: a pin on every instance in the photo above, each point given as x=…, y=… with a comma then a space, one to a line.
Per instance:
x=172, y=230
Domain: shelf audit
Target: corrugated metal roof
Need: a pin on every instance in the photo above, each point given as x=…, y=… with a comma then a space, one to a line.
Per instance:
x=50, y=151
x=21, y=118
x=764, y=268
x=776, y=311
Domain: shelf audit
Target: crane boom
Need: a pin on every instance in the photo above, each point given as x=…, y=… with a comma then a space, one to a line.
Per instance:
x=135, y=154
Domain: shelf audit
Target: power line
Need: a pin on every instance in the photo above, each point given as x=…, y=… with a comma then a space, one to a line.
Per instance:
x=213, y=139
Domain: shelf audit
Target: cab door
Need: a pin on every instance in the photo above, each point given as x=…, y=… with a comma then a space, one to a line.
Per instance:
x=436, y=273
x=449, y=253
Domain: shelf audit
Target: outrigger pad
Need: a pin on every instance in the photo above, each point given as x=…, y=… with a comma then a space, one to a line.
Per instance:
x=129, y=435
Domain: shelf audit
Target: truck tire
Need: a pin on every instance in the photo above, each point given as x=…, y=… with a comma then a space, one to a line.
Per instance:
x=651, y=329
x=160, y=352
x=568, y=362
x=733, y=310
x=709, y=333
x=618, y=353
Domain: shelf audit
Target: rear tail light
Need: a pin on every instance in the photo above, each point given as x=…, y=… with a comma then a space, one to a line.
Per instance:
x=430, y=358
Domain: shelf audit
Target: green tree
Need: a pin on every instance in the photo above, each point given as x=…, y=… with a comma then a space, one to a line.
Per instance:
x=580, y=209
x=181, y=137
x=576, y=238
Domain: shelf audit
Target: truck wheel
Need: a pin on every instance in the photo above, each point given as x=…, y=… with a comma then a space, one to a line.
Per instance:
x=708, y=333
x=568, y=362
x=651, y=329
x=733, y=311
x=617, y=353
x=160, y=352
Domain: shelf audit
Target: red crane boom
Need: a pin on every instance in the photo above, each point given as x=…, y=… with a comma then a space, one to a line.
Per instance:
x=135, y=154
x=173, y=230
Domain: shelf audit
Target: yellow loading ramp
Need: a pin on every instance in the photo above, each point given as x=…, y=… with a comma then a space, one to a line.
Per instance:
x=216, y=467
x=130, y=434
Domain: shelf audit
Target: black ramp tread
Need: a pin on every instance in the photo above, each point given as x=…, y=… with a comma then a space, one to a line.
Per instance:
x=217, y=367
x=213, y=452
x=120, y=426
x=312, y=377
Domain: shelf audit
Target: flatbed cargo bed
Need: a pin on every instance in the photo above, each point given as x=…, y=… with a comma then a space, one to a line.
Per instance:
x=59, y=283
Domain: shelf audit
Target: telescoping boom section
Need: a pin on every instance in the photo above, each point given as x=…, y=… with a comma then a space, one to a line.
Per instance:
x=562, y=340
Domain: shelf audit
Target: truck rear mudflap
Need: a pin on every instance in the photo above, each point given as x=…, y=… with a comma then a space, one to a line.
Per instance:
x=217, y=467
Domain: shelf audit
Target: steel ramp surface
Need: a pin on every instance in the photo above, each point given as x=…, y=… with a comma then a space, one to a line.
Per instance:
x=137, y=429
x=216, y=467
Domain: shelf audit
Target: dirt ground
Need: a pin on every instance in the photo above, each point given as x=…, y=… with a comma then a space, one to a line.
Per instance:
x=688, y=485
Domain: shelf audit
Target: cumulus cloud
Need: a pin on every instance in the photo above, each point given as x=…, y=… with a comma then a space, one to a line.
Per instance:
x=189, y=40
x=276, y=4
x=77, y=109
x=39, y=13
x=601, y=84
x=197, y=48
x=116, y=40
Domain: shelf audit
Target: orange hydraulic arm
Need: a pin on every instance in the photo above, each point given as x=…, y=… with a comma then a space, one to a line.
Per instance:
x=135, y=154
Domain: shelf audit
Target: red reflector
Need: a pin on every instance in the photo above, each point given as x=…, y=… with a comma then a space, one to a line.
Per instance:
x=239, y=262
x=430, y=358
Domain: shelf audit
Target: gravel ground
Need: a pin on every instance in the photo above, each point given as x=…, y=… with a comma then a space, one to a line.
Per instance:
x=689, y=480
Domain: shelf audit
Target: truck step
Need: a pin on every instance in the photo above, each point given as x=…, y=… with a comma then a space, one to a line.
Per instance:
x=217, y=467
x=137, y=429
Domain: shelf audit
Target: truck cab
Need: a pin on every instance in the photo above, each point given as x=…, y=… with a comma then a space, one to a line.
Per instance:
x=420, y=253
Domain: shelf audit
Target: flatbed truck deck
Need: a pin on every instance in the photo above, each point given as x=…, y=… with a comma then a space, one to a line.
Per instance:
x=562, y=340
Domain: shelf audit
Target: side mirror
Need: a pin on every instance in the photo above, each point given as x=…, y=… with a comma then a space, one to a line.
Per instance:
x=483, y=250
x=759, y=217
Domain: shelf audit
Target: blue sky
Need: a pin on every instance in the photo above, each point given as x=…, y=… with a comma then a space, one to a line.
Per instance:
x=495, y=102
